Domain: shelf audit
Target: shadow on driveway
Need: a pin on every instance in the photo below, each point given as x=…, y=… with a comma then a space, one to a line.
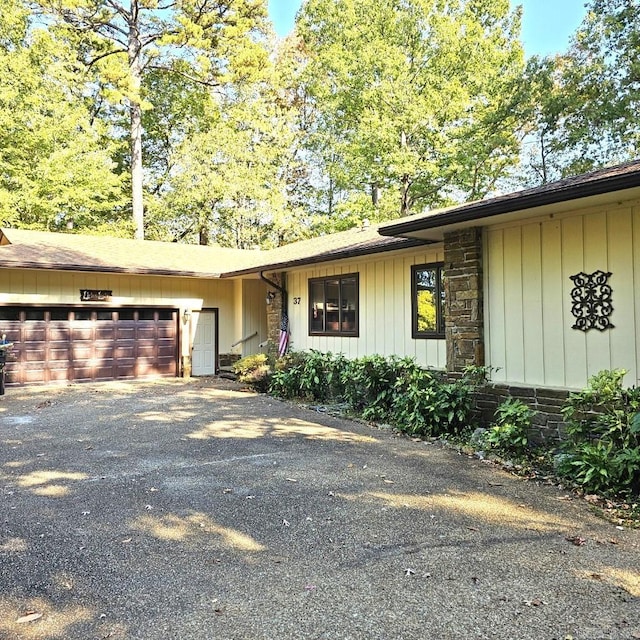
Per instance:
x=195, y=510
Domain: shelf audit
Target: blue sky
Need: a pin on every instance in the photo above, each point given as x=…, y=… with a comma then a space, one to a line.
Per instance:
x=546, y=24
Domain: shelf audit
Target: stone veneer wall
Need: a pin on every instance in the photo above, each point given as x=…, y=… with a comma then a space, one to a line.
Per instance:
x=547, y=424
x=274, y=310
x=464, y=317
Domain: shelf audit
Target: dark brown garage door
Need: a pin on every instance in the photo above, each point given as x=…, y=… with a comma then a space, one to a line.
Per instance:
x=82, y=344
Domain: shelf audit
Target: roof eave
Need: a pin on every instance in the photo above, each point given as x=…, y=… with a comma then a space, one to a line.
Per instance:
x=105, y=269
x=510, y=204
x=329, y=256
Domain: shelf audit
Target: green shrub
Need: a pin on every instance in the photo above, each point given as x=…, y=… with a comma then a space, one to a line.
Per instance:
x=370, y=384
x=311, y=375
x=426, y=404
x=510, y=431
x=255, y=371
x=602, y=449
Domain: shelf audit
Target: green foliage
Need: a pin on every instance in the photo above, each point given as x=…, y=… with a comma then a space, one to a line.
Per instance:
x=426, y=404
x=584, y=103
x=311, y=375
x=602, y=450
x=413, y=97
x=394, y=390
x=56, y=167
x=254, y=370
x=369, y=384
x=510, y=432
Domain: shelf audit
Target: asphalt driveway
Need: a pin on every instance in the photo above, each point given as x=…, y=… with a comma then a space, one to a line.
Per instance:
x=194, y=510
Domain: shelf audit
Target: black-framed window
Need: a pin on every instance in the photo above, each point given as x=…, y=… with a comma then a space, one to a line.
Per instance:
x=333, y=305
x=427, y=298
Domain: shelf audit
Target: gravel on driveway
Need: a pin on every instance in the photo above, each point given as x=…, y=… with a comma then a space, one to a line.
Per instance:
x=185, y=510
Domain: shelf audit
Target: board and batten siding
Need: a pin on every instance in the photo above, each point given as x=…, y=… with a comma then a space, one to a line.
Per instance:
x=528, y=319
x=50, y=287
x=384, y=308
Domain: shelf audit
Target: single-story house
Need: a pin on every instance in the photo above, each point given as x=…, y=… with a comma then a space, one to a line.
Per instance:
x=541, y=285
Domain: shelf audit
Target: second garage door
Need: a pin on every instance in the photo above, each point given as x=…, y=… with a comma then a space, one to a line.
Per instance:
x=83, y=344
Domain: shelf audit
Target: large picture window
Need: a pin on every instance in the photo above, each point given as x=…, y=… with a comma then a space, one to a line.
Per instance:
x=427, y=287
x=333, y=305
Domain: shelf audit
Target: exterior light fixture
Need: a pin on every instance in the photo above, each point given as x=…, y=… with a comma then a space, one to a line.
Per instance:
x=270, y=296
x=186, y=314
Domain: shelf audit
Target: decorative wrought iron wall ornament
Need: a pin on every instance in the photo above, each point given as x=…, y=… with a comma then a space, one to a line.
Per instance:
x=592, y=304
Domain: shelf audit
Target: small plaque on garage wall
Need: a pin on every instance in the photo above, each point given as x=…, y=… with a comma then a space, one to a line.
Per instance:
x=592, y=301
x=95, y=295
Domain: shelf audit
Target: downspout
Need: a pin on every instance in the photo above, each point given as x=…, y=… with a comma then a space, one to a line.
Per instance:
x=281, y=289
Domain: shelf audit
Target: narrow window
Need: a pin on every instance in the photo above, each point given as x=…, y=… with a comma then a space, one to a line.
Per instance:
x=333, y=306
x=427, y=286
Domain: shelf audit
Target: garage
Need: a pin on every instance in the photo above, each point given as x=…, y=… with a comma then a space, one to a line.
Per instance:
x=82, y=344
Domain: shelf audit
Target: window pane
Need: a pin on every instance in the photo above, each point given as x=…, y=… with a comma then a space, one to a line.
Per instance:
x=165, y=314
x=125, y=314
x=349, y=301
x=428, y=288
x=333, y=305
x=104, y=314
x=317, y=306
x=332, y=308
x=59, y=315
x=146, y=314
x=10, y=314
x=82, y=314
x=442, y=307
x=34, y=314
x=426, y=308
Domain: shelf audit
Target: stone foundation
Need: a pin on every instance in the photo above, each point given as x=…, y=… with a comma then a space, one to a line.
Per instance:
x=547, y=424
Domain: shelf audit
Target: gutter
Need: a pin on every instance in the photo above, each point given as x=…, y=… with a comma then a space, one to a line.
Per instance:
x=529, y=199
x=281, y=289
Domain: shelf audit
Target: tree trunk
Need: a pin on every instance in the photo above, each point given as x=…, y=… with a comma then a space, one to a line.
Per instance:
x=135, y=133
x=404, y=183
x=375, y=194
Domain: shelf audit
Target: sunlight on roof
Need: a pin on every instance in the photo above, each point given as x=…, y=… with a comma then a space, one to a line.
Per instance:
x=56, y=622
x=290, y=428
x=479, y=506
x=173, y=528
x=45, y=483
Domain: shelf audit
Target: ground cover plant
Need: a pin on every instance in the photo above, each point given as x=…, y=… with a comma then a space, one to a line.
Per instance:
x=601, y=451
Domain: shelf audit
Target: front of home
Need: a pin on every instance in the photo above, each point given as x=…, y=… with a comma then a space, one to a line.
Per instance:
x=542, y=286
x=81, y=308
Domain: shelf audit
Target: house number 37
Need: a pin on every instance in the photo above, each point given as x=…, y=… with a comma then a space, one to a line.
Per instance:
x=296, y=301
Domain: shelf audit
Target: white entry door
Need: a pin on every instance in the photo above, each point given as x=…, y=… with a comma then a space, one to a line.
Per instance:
x=203, y=361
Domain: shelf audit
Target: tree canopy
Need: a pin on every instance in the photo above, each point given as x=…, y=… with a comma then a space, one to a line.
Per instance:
x=188, y=120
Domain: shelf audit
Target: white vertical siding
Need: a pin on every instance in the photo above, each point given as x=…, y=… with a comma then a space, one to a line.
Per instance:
x=529, y=335
x=384, y=308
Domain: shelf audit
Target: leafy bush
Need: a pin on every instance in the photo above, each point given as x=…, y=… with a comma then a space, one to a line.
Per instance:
x=602, y=450
x=380, y=389
x=510, y=431
x=254, y=370
x=312, y=375
x=370, y=384
x=425, y=403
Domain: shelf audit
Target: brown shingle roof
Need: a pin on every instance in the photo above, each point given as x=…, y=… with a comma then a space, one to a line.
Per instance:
x=72, y=252
x=65, y=251
x=334, y=246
